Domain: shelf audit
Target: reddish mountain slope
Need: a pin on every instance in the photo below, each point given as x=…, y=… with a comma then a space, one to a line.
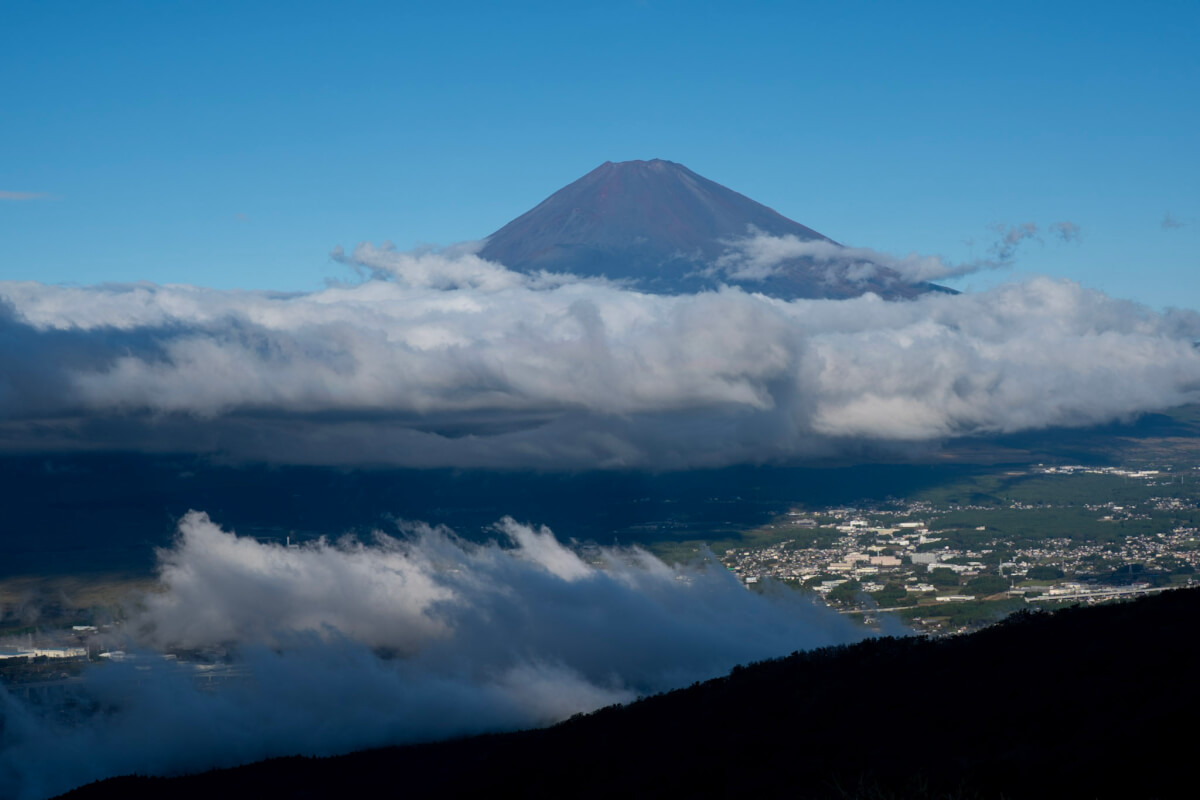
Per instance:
x=663, y=227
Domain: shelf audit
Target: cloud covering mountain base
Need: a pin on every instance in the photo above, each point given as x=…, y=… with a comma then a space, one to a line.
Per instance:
x=337, y=646
x=445, y=359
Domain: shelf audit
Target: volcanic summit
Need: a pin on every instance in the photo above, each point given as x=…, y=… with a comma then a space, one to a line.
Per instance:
x=665, y=229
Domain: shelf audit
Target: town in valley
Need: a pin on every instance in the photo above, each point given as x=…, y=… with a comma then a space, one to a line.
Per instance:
x=1056, y=534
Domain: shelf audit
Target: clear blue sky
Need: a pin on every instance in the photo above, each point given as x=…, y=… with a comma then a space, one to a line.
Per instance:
x=235, y=144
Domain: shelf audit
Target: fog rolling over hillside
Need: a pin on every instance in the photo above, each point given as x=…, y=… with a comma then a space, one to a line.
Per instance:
x=252, y=650
x=795, y=726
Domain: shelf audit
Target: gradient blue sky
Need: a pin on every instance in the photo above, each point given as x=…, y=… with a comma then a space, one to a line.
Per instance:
x=236, y=144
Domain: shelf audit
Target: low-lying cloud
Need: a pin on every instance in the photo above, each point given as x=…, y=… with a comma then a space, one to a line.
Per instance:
x=337, y=646
x=444, y=359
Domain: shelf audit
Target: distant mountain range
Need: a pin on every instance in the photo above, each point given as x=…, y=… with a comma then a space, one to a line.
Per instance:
x=665, y=229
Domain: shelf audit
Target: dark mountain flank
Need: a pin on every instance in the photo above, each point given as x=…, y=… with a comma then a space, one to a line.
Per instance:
x=1084, y=702
x=662, y=227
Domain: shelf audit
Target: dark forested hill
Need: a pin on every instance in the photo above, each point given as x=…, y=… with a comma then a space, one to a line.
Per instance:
x=1084, y=702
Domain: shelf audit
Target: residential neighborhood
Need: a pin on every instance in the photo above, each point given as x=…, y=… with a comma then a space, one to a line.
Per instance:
x=913, y=557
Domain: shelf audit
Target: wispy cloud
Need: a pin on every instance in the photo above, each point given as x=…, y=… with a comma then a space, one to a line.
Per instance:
x=1066, y=231
x=760, y=256
x=1010, y=238
x=1169, y=223
x=7, y=195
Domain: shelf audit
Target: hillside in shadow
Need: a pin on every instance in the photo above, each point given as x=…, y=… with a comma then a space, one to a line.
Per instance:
x=1084, y=702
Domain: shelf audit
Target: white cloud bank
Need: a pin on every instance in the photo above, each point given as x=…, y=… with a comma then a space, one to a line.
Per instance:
x=334, y=647
x=445, y=359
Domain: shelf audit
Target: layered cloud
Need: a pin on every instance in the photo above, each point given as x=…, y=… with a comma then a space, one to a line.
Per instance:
x=441, y=358
x=759, y=256
x=332, y=647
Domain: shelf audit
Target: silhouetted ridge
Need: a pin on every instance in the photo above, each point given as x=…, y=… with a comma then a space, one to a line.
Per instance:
x=663, y=227
x=1085, y=702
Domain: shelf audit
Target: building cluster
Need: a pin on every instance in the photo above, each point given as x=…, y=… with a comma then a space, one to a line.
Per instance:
x=873, y=555
x=887, y=550
x=8, y=652
x=1078, y=469
x=1166, y=550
